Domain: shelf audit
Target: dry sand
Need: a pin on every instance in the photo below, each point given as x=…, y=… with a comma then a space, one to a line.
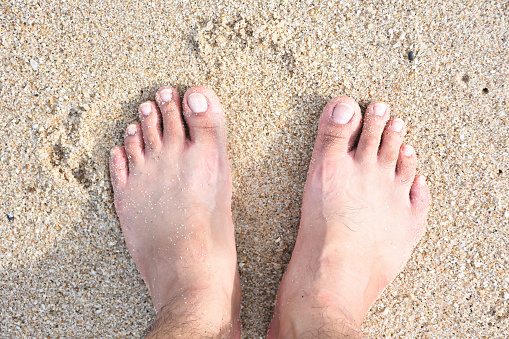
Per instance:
x=73, y=72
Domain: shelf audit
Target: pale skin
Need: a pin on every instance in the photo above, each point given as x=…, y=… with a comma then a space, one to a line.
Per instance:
x=364, y=210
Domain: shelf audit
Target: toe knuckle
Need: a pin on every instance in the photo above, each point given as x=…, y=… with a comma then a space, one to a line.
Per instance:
x=388, y=162
x=130, y=140
x=331, y=138
x=213, y=130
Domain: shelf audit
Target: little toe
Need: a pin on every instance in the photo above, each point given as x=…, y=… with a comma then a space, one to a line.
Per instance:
x=406, y=165
x=339, y=126
x=118, y=167
x=133, y=142
x=168, y=101
x=419, y=195
x=375, y=118
x=420, y=201
x=391, y=143
x=150, y=125
x=204, y=115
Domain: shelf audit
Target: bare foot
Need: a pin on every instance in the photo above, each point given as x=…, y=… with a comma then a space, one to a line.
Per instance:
x=173, y=199
x=364, y=209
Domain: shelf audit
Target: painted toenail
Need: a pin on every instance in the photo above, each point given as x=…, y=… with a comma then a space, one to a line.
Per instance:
x=397, y=125
x=131, y=130
x=379, y=109
x=197, y=103
x=166, y=94
x=343, y=113
x=408, y=150
x=146, y=108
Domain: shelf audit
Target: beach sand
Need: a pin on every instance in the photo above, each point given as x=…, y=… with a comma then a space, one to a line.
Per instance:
x=72, y=74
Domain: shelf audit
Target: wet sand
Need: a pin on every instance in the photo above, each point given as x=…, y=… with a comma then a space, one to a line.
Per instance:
x=71, y=78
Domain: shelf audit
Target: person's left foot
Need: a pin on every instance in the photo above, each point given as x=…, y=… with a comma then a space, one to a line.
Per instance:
x=173, y=199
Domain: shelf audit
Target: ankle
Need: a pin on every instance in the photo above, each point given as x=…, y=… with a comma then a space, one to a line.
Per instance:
x=315, y=321
x=200, y=314
x=303, y=316
x=182, y=289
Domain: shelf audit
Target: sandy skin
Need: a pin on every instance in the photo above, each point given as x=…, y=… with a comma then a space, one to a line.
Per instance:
x=364, y=210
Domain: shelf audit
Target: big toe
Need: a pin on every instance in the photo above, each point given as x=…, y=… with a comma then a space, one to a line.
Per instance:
x=339, y=126
x=204, y=115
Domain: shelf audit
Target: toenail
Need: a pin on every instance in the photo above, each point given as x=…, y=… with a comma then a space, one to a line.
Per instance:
x=131, y=130
x=397, y=125
x=343, y=113
x=166, y=94
x=146, y=108
x=197, y=103
x=408, y=150
x=379, y=109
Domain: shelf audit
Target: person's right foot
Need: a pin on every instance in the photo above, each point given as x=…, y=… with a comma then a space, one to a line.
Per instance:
x=364, y=209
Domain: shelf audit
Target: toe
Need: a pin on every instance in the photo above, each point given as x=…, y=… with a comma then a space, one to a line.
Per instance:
x=419, y=195
x=391, y=143
x=118, y=167
x=204, y=115
x=151, y=126
x=420, y=201
x=133, y=142
x=375, y=118
x=406, y=165
x=339, y=126
x=168, y=101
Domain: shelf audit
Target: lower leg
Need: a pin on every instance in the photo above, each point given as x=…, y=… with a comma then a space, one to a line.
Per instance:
x=363, y=211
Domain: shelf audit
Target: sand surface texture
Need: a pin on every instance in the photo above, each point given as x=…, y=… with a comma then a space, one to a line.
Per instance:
x=72, y=74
